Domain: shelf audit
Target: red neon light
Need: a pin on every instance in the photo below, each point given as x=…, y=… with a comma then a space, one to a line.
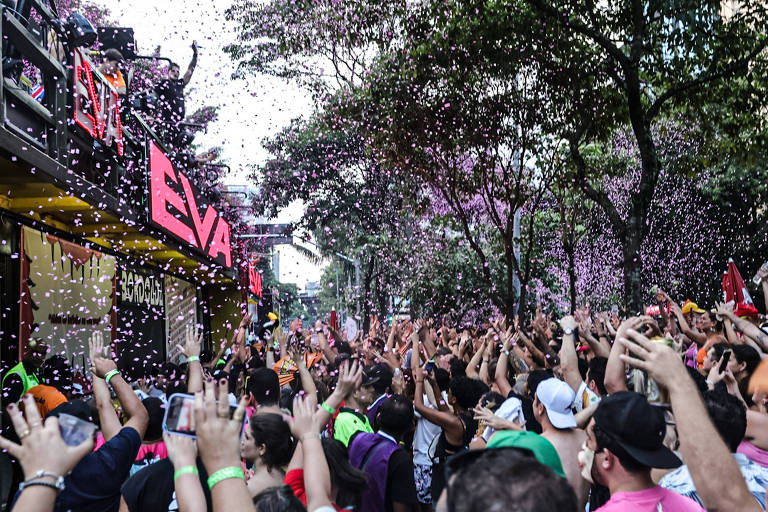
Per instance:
x=163, y=195
x=186, y=224
x=203, y=229
x=104, y=124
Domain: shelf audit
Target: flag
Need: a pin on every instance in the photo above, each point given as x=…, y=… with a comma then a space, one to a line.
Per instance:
x=37, y=92
x=735, y=290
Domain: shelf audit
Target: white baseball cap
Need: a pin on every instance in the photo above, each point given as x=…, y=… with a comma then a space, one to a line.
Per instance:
x=557, y=397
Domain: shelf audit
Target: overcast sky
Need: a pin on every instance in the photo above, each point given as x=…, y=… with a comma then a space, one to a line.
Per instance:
x=250, y=110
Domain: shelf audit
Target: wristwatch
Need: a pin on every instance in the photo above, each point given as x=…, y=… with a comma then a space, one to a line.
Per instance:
x=568, y=331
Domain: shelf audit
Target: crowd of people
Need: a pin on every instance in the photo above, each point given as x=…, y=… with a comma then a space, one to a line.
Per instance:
x=663, y=412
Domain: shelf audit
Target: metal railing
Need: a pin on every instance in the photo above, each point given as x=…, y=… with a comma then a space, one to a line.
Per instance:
x=68, y=121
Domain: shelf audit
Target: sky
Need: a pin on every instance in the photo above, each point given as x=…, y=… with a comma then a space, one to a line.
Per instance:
x=250, y=110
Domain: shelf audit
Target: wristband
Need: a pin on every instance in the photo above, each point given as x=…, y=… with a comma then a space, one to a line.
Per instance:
x=110, y=374
x=193, y=359
x=185, y=470
x=310, y=435
x=57, y=487
x=328, y=408
x=225, y=474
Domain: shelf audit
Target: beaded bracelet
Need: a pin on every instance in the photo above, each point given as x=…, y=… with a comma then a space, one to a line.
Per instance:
x=30, y=483
x=185, y=470
x=110, y=374
x=224, y=474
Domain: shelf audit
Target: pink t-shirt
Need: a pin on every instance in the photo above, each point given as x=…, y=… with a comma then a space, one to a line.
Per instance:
x=753, y=453
x=648, y=501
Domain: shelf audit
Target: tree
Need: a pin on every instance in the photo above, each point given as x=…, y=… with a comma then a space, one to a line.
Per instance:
x=322, y=44
x=660, y=55
x=467, y=120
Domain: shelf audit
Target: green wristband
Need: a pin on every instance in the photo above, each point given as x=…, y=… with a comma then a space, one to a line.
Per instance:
x=110, y=374
x=185, y=470
x=225, y=474
x=328, y=408
x=193, y=359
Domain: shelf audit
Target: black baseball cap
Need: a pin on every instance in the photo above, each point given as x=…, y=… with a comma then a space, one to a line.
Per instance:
x=77, y=407
x=377, y=375
x=636, y=426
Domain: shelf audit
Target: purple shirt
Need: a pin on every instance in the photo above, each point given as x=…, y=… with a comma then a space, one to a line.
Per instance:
x=648, y=501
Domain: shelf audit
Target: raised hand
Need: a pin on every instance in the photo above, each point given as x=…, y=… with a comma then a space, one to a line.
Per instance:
x=659, y=361
x=192, y=342
x=218, y=436
x=100, y=365
x=41, y=448
x=568, y=323
x=96, y=345
x=350, y=378
x=303, y=423
x=182, y=450
x=487, y=417
x=725, y=310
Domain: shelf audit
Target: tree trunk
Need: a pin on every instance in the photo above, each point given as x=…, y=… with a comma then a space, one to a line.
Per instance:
x=632, y=266
x=366, y=295
x=570, y=253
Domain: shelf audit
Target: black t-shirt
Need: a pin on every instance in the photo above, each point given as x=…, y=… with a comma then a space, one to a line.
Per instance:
x=400, y=485
x=170, y=99
x=151, y=489
x=94, y=484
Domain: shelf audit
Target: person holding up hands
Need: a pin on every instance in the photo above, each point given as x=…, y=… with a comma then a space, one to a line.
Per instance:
x=715, y=473
x=306, y=425
x=94, y=484
x=43, y=455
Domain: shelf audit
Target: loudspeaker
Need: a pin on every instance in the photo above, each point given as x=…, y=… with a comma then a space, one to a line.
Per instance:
x=121, y=39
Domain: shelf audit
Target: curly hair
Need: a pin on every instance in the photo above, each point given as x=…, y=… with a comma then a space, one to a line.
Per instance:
x=467, y=391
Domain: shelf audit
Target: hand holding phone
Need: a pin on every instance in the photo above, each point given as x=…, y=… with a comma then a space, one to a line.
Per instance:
x=179, y=415
x=724, y=361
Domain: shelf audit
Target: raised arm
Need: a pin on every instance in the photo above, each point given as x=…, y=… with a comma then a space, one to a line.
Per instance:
x=502, y=365
x=745, y=326
x=191, y=350
x=475, y=361
x=714, y=471
x=218, y=440
x=42, y=450
x=600, y=346
x=569, y=360
x=349, y=379
x=103, y=367
x=487, y=353
x=192, y=64
x=307, y=383
x=110, y=423
x=317, y=476
x=615, y=370
x=698, y=337
x=182, y=451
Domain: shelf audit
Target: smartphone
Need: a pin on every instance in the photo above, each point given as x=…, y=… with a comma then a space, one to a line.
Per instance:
x=74, y=430
x=430, y=365
x=724, y=361
x=179, y=417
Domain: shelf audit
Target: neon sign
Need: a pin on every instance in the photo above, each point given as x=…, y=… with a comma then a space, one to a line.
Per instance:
x=173, y=208
x=96, y=104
